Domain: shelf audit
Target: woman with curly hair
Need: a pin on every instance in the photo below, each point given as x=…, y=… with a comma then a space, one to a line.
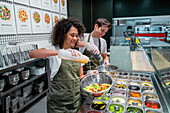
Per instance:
x=64, y=92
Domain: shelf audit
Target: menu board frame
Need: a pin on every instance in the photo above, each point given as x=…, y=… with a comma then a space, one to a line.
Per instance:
x=55, y=6
x=38, y=25
x=47, y=27
x=7, y=25
x=63, y=7
x=25, y=2
x=23, y=22
x=46, y=4
x=35, y=3
x=53, y=18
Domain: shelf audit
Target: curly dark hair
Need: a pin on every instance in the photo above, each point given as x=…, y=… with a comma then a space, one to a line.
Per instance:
x=61, y=29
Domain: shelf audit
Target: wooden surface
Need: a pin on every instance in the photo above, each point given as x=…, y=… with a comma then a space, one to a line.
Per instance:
x=140, y=62
x=160, y=59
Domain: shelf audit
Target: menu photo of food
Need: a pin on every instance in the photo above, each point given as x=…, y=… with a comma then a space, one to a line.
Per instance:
x=55, y=18
x=63, y=6
x=63, y=3
x=47, y=18
x=55, y=5
x=26, y=2
x=4, y=13
x=47, y=22
x=23, y=23
x=36, y=17
x=36, y=20
x=7, y=20
x=46, y=4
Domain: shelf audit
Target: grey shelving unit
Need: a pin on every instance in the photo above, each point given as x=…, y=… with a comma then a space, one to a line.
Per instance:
x=6, y=103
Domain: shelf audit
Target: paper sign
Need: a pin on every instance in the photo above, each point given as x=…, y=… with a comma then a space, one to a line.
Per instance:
x=23, y=24
x=46, y=4
x=63, y=6
x=35, y=3
x=56, y=18
x=47, y=22
x=36, y=21
x=7, y=20
x=26, y=2
x=55, y=5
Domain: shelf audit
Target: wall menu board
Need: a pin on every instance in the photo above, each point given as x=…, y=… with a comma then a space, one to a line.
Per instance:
x=26, y=2
x=55, y=19
x=35, y=3
x=55, y=5
x=46, y=4
x=47, y=22
x=7, y=20
x=23, y=23
x=63, y=6
x=36, y=21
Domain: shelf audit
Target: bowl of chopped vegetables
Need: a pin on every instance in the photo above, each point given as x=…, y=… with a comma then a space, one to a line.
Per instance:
x=96, y=84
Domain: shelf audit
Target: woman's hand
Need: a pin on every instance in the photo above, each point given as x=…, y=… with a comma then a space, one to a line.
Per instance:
x=95, y=72
x=81, y=77
x=75, y=52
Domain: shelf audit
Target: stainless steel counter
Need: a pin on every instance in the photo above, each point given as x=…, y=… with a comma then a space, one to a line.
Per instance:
x=134, y=74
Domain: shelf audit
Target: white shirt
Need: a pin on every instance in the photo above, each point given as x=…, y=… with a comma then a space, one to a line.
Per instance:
x=54, y=61
x=94, y=41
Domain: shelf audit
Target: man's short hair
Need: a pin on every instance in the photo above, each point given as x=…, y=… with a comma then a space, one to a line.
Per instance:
x=103, y=22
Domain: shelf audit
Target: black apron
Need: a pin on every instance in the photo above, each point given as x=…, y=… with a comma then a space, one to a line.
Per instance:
x=93, y=61
x=64, y=93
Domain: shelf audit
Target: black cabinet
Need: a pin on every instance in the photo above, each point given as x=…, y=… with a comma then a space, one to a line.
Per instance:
x=22, y=85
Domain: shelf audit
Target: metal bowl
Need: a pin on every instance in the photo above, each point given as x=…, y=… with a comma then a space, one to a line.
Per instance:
x=24, y=75
x=101, y=78
x=2, y=84
x=109, y=69
x=13, y=79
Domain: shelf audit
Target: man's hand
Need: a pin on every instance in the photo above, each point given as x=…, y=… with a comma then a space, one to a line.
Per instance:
x=106, y=62
x=92, y=47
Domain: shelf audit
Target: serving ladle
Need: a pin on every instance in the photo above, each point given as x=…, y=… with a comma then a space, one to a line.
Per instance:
x=116, y=108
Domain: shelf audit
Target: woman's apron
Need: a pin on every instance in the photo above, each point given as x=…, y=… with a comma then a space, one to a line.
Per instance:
x=93, y=61
x=64, y=92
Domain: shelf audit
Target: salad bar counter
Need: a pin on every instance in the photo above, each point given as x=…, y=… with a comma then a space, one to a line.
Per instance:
x=131, y=92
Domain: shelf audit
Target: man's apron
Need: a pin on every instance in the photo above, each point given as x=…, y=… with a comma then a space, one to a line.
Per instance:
x=64, y=93
x=93, y=61
x=89, y=66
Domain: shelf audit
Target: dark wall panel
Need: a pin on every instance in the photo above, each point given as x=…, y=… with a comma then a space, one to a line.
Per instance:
x=131, y=8
x=87, y=15
x=75, y=9
x=103, y=9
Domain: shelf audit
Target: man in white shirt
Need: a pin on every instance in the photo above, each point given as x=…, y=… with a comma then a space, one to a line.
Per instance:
x=101, y=27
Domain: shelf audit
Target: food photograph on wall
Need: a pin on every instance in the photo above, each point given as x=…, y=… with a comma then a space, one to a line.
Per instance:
x=23, y=18
x=7, y=20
